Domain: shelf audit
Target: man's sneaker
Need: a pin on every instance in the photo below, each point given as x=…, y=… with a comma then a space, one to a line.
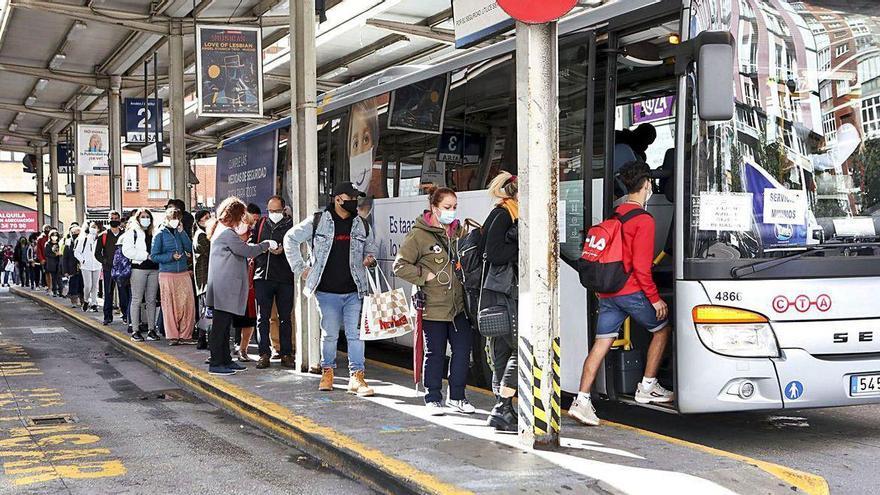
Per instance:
x=220, y=370
x=462, y=406
x=263, y=363
x=326, y=384
x=435, y=408
x=656, y=393
x=584, y=412
x=235, y=366
x=152, y=335
x=137, y=337
x=357, y=385
x=107, y=322
x=288, y=362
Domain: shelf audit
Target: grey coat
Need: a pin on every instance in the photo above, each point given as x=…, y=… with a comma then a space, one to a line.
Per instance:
x=228, y=272
x=362, y=245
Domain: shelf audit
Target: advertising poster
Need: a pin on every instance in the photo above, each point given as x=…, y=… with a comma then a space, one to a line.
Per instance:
x=247, y=169
x=363, y=137
x=92, y=153
x=433, y=171
x=65, y=158
x=772, y=205
x=420, y=107
x=229, y=71
x=653, y=109
x=140, y=120
x=18, y=221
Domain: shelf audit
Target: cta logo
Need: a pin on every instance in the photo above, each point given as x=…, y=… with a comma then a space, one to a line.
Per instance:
x=802, y=303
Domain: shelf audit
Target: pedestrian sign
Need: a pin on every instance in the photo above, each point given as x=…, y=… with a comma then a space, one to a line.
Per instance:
x=794, y=390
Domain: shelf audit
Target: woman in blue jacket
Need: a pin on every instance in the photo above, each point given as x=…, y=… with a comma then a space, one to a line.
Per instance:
x=171, y=249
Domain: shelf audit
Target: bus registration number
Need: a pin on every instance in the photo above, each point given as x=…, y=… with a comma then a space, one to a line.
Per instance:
x=864, y=384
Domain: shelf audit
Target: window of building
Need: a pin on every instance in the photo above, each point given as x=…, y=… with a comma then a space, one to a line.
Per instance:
x=842, y=87
x=858, y=26
x=840, y=50
x=829, y=127
x=871, y=116
x=825, y=59
x=130, y=178
x=750, y=92
x=825, y=92
x=869, y=69
x=159, y=186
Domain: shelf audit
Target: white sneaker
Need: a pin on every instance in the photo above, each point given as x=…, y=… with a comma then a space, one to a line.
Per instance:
x=584, y=412
x=463, y=406
x=656, y=393
x=435, y=408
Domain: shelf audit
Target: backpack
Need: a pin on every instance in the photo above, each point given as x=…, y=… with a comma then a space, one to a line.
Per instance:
x=121, y=269
x=600, y=266
x=472, y=255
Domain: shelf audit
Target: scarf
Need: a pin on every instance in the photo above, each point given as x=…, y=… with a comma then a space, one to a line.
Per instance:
x=512, y=207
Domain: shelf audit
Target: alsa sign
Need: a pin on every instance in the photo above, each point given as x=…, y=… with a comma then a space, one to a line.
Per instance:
x=802, y=303
x=532, y=12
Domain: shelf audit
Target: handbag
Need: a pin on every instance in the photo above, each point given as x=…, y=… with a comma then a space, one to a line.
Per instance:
x=10, y=266
x=497, y=320
x=387, y=314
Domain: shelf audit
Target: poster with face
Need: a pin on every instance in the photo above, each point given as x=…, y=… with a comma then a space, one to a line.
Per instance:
x=92, y=154
x=363, y=138
x=230, y=71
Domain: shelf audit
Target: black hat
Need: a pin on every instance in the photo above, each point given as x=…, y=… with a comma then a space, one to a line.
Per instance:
x=347, y=188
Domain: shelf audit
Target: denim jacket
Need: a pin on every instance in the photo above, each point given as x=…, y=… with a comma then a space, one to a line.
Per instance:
x=165, y=242
x=362, y=245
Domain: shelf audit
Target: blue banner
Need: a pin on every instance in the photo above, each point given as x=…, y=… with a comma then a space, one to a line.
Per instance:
x=140, y=120
x=772, y=234
x=247, y=169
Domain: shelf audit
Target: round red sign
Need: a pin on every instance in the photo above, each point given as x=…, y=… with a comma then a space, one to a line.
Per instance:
x=537, y=12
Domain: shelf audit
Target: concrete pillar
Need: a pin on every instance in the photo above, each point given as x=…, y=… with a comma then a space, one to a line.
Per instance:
x=304, y=155
x=41, y=190
x=53, y=178
x=115, y=106
x=179, y=165
x=537, y=132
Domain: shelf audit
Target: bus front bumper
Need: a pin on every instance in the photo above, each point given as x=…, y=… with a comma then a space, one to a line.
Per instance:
x=807, y=381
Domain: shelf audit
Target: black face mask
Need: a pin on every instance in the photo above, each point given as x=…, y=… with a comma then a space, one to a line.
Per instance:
x=350, y=205
x=114, y=223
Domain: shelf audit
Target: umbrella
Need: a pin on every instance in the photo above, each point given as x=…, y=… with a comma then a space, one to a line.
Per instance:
x=418, y=338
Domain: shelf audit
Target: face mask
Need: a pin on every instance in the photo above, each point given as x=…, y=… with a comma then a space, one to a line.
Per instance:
x=145, y=222
x=55, y=238
x=361, y=167
x=276, y=217
x=242, y=228
x=93, y=230
x=114, y=223
x=173, y=223
x=351, y=206
x=446, y=217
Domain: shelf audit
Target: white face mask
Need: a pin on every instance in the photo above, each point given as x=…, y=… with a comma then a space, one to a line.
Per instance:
x=173, y=223
x=361, y=168
x=145, y=222
x=242, y=228
x=276, y=217
x=93, y=230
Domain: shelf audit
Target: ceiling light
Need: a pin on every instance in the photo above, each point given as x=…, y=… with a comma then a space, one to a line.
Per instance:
x=76, y=31
x=335, y=72
x=41, y=85
x=393, y=47
x=57, y=60
x=13, y=127
x=30, y=101
x=18, y=117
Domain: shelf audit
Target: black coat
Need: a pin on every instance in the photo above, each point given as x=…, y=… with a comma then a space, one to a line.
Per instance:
x=268, y=266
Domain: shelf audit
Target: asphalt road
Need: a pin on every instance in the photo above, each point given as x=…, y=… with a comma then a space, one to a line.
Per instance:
x=131, y=431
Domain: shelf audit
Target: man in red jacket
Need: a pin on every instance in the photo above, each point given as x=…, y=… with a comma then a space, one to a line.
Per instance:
x=41, y=250
x=638, y=299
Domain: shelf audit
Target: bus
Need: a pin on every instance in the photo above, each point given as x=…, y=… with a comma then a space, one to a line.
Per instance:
x=768, y=218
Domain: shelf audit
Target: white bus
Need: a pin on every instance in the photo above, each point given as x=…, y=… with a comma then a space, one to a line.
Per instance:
x=769, y=218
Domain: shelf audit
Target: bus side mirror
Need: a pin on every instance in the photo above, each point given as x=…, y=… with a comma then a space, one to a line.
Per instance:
x=715, y=75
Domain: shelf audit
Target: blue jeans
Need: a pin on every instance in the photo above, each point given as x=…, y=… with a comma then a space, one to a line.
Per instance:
x=340, y=311
x=614, y=310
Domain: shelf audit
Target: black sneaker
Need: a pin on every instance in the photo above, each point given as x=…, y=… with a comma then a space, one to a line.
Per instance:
x=137, y=337
x=128, y=329
x=220, y=370
x=236, y=367
x=107, y=322
x=152, y=335
x=85, y=306
x=94, y=309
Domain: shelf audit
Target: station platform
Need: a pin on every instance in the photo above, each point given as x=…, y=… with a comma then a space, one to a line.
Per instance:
x=391, y=444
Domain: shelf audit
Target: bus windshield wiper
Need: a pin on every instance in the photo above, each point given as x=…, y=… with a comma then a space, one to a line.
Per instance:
x=760, y=266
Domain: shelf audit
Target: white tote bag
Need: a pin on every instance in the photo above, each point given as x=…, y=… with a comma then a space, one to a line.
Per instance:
x=386, y=314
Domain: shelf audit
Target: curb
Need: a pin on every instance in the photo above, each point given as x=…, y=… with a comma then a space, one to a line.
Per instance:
x=360, y=462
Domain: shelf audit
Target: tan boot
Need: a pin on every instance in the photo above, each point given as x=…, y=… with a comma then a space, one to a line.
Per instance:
x=288, y=362
x=326, y=384
x=357, y=385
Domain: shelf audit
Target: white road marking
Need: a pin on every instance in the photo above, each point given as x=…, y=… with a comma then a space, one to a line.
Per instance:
x=41, y=330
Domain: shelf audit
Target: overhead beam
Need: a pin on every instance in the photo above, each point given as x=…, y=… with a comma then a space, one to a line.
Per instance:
x=50, y=113
x=81, y=78
x=129, y=20
x=27, y=136
x=359, y=54
x=427, y=32
x=17, y=148
x=212, y=140
x=438, y=18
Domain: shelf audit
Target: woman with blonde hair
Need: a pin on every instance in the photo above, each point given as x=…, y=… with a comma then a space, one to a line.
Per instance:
x=228, y=287
x=136, y=243
x=499, y=291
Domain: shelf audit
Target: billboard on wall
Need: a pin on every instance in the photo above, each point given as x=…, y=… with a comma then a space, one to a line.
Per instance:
x=229, y=71
x=18, y=221
x=247, y=169
x=141, y=117
x=363, y=138
x=478, y=20
x=420, y=107
x=92, y=149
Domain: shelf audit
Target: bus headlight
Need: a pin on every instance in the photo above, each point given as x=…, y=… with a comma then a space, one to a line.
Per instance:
x=735, y=332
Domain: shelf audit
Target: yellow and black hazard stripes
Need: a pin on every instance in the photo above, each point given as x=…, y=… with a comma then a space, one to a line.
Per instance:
x=556, y=391
x=535, y=414
x=524, y=382
x=32, y=453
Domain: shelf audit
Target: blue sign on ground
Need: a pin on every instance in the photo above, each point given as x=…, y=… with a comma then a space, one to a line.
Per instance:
x=247, y=169
x=140, y=120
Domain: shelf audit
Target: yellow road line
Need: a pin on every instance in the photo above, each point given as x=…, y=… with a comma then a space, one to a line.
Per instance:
x=267, y=414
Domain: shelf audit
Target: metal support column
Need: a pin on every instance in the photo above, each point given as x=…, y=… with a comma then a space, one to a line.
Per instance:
x=79, y=184
x=53, y=178
x=115, y=107
x=179, y=165
x=40, y=188
x=537, y=130
x=304, y=155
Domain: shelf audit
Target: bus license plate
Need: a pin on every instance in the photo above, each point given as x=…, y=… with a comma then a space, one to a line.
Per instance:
x=864, y=384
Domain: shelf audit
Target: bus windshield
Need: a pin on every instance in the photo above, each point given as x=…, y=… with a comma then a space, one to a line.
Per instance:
x=799, y=165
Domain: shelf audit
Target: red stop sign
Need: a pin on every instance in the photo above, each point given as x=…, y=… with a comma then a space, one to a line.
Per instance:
x=537, y=11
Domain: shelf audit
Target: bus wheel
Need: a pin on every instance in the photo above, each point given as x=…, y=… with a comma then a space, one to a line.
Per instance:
x=481, y=369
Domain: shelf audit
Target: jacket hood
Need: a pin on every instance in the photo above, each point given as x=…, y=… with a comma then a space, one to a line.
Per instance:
x=423, y=224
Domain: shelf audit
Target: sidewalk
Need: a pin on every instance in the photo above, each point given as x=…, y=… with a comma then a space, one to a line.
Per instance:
x=390, y=443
